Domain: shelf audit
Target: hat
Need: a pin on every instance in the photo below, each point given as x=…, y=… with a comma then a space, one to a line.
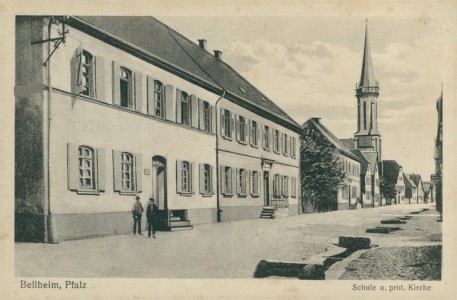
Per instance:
x=151, y=198
x=137, y=197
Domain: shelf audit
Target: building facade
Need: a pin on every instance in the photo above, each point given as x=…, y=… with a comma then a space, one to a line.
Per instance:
x=347, y=196
x=438, y=176
x=120, y=111
x=410, y=189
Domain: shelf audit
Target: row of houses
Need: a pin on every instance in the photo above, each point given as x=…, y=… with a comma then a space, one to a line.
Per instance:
x=108, y=108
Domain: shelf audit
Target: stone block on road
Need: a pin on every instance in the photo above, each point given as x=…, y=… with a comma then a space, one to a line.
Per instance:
x=312, y=272
x=354, y=242
x=272, y=268
x=393, y=221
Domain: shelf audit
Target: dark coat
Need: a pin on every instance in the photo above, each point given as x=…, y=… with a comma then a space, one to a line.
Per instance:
x=152, y=212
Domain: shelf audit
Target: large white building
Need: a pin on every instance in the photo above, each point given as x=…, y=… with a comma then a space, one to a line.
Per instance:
x=112, y=107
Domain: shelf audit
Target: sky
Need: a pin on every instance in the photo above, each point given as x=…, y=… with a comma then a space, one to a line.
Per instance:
x=309, y=67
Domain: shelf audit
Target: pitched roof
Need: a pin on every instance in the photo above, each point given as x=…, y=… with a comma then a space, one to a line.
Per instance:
x=390, y=170
x=365, y=163
x=367, y=76
x=331, y=138
x=168, y=49
x=349, y=143
x=416, y=178
x=372, y=158
x=408, y=180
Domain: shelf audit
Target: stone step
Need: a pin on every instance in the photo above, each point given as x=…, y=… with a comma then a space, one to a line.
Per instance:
x=175, y=219
x=179, y=223
x=267, y=216
x=181, y=228
x=393, y=221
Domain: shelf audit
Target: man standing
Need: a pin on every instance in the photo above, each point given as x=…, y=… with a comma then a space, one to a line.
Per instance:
x=151, y=214
x=137, y=211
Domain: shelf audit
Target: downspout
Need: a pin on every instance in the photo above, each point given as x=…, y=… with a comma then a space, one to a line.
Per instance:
x=50, y=230
x=218, y=208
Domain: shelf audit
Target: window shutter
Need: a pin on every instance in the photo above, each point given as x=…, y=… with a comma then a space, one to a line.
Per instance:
x=178, y=176
x=72, y=167
x=100, y=78
x=194, y=111
x=257, y=183
x=101, y=169
x=139, y=172
x=201, y=122
x=264, y=137
x=178, y=106
x=232, y=124
x=233, y=181
x=139, y=91
x=150, y=95
x=238, y=182
x=79, y=71
x=202, y=178
x=213, y=119
x=169, y=102
x=270, y=140
x=286, y=186
x=222, y=177
x=257, y=134
x=248, y=182
x=74, y=69
x=222, y=123
x=246, y=130
x=192, y=177
x=211, y=179
x=237, y=126
x=117, y=170
x=116, y=84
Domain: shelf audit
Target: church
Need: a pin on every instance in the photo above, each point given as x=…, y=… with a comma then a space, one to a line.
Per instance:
x=108, y=108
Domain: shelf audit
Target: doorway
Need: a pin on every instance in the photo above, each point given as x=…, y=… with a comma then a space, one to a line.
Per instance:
x=266, y=187
x=159, y=188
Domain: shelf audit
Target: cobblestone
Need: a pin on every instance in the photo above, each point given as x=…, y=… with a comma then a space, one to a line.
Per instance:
x=397, y=263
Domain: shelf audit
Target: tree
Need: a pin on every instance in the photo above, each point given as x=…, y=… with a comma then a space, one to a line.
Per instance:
x=387, y=189
x=320, y=168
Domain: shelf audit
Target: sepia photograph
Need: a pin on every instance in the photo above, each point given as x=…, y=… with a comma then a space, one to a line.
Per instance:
x=237, y=149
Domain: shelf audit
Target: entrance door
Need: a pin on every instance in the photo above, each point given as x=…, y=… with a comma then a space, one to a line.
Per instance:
x=159, y=189
x=266, y=187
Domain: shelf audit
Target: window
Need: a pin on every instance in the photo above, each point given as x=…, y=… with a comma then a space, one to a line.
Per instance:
x=227, y=180
x=241, y=182
x=226, y=124
x=206, y=179
x=276, y=141
x=86, y=169
x=276, y=185
x=285, y=148
x=185, y=109
x=159, y=109
x=127, y=172
x=254, y=133
x=241, y=129
x=285, y=186
x=266, y=137
x=126, y=88
x=354, y=192
x=127, y=167
x=254, y=183
x=293, y=193
x=293, y=147
x=345, y=192
x=87, y=74
x=206, y=116
x=364, y=115
x=184, y=177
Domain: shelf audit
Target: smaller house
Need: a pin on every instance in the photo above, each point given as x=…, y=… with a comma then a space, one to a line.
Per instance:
x=420, y=188
x=410, y=189
x=427, y=191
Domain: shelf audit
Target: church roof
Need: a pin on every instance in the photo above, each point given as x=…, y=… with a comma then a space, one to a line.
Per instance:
x=155, y=42
x=367, y=77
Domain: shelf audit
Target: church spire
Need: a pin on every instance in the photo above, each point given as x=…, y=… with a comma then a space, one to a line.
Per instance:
x=367, y=77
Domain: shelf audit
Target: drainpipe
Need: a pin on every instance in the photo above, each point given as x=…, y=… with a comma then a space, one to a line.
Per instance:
x=50, y=233
x=218, y=208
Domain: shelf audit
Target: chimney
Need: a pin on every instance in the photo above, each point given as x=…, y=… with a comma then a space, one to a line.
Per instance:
x=218, y=54
x=202, y=44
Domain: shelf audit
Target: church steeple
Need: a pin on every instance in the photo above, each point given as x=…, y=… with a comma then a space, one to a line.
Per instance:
x=367, y=137
x=367, y=77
